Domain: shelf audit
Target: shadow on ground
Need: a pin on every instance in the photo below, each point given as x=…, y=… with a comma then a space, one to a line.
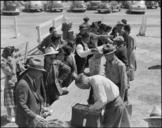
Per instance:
x=155, y=67
x=4, y=120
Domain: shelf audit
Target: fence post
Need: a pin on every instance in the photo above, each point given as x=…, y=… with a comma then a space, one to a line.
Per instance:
x=26, y=51
x=15, y=27
x=39, y=34
x=54, y=23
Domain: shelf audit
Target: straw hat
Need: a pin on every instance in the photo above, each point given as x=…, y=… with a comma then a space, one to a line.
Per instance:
x=37, y=63
x=155, y=117
x=50, y=51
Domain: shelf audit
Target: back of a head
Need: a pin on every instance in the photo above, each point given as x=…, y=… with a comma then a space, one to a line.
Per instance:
x=85, y=35
x=67, y=49
x=51, y=29
x=127, y=28
x=8, y=51
x=79, y=78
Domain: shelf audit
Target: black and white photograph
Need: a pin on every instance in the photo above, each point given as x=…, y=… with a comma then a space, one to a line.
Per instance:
x=80, y=63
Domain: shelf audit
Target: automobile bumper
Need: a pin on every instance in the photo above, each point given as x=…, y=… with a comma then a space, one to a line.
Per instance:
x=78, y=9
x=137, y=10
x=104, y=10
x=56, y=9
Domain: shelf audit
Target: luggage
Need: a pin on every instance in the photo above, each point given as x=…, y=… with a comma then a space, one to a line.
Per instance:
x=81, y=117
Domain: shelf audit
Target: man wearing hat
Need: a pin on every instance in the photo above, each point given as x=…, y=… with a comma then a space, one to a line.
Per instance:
x=121, y=50
x=86, y=24
x=121, y=53
x=53, y=40
x=131, y=48
x=82, y=51
x=30, y=96
x=115, y=69
x=57, y=72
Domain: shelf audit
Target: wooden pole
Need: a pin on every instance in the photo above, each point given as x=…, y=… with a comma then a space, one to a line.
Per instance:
x=39, y=34
x=15, y=27
x=54, y=23
x=26, y=51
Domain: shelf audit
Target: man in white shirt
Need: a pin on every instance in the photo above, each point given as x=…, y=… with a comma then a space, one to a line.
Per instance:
x=82, y=51
x=106, y=95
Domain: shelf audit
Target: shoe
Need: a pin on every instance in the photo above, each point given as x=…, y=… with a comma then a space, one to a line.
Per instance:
x=65, y=92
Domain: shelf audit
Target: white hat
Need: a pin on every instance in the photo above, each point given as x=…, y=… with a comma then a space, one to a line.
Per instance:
x=155, y=114
x=50, y=51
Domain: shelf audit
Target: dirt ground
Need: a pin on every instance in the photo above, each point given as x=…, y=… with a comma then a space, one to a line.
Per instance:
x=145, y=90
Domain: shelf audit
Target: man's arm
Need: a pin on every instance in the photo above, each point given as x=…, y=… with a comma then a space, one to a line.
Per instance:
x=64, y=70
x=81, y=52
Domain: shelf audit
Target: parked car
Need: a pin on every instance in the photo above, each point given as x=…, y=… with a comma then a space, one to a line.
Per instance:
x=125, y=4
x=137, y=6
x=54, y=6
x=104, y=8
x=108, y=7
x=10, y=8
x=115, y=6
x=34, y=6
x=78, y=6
x=93, y=5
x=151, y=4
x=159, y=3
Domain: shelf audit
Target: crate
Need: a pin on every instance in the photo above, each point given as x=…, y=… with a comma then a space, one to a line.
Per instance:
x=81, y=117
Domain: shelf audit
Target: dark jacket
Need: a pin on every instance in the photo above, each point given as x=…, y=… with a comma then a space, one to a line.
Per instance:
x=80, y=62
x=121, y=53
x=56, y=73
x=28, y=99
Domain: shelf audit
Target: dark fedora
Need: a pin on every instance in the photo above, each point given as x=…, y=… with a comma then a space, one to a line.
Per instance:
x=37, y=63
x=108, y=49
x=124, y=21
x=86, y=19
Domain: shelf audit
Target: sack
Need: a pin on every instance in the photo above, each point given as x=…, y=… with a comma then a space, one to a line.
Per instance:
x=55, y=123
x=81, y=117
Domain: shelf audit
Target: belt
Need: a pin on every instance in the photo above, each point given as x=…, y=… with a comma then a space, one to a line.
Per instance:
x=111, y=102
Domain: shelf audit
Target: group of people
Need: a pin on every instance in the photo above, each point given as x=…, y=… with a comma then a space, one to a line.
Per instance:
x=33, y=86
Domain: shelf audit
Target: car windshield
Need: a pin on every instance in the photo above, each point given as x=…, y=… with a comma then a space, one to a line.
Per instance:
x=103, y=5
x=138, y=2
x=78, y=4
x=114, y=3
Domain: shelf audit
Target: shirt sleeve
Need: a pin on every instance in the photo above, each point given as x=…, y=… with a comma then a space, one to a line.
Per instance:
x=81, y=52
x=100, y=96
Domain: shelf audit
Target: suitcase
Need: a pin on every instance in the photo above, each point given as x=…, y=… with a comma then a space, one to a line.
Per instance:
x=81, y=117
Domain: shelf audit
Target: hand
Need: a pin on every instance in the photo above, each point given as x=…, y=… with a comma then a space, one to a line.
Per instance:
x=38, y=118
